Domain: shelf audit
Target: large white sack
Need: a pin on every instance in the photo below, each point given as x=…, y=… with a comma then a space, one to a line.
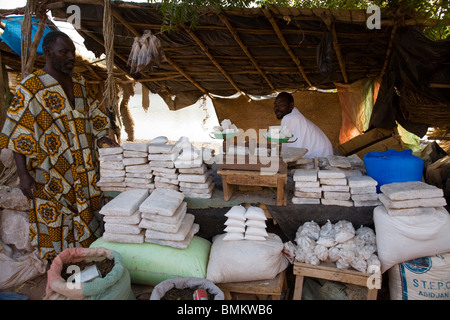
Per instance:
x=245, y=260
x=402, y=238
x=426, y=278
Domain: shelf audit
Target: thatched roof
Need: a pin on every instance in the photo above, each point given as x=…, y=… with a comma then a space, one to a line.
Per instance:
x=255, y=51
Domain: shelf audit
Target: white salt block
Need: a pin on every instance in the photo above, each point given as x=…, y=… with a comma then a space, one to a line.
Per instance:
x=195, y=185
x=102, y=183
x=111, y=179
x=334, y=181
x=362, y=190
x=111, y=157
x=124, y=238
x=165, y=170
x=298, y=200
x=162, y=164
x=198, y=178
x=200, y=170
x=410, y=190
x=307, y=184
x=401, y=204
x=134, y=154
x=179, y=214
x=332, y=202
x=361, y=181
x=139, y=175
x=339, y=161
x=112, y=165
x=134, y=161
x=303, y=189
x=365, y=197
x=305, y=175
x=172, y=227
x=163, y=156
x=183, y=244
x=331, y=174
x=122, y=228
x=335, y=188
x=161, y=148
x=114, y=189
x=162, y=201
x=180, y=235
x=134, y=219
x=197, y=163
x=198, y=190
x=302, y=194
x=366, y=203
x=111, y=173
x=166, y=180
x=138, y=168
x=125, y=204
x=109, y=151
x=196, y=195
x=136, y=146
x=163, y=185
x=336, y=195
x=159, y=140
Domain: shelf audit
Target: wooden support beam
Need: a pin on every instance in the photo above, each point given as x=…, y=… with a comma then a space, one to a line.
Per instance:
x=294, y=58
x=244, y=48
x=337, y=49
x=389, y=50
x=213, y=60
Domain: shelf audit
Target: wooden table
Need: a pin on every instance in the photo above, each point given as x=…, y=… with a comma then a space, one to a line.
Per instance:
x=277, y=180
x=330, y=272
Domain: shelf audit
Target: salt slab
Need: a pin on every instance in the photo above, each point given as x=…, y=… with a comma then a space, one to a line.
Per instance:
x=125, y=204
x=303, y=194
x=134, y=154
x=162, y=201
x=410, y=190
x=335, y=188
x=401, y=204
x=339, y=161
x=122, y=228
x=135, y=218
x=134, y=161
x=161, y=148
x=336, y=195
x=331, y=174
x=183, y=244
x=109, y=151
x=334, y=181
x=308, y=175
x=161, y=226
x=139, y=168
x=361, y=181
x=180, y=235
x=136, y=146
x=178, y=215
x=298, y=200
x=362, y=190
x=124, y=238
x=333, y=202
x=366, y=203
x=198, y=178
x=307, y=184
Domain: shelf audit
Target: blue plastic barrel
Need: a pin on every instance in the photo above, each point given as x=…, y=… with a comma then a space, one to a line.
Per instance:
x=393, y=166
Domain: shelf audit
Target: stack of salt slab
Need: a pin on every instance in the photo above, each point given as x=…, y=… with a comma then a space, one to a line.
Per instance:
x=112, y=169
x=122, y=217
x=194, y=177
x=162, y=156
x=165, y=219
x=335, y=188
x=411, y=198
x=363, y=190
x=307, y=187
x=245, y=224
x=138, y=173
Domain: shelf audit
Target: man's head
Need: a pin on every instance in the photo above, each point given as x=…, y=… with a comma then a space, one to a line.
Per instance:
x=59, y=51
x=283, y=105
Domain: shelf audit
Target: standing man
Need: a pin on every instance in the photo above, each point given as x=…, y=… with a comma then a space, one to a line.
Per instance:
x=54, y=126
x=308, y=135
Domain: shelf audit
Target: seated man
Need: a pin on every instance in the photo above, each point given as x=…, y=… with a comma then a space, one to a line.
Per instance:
x=308, y=135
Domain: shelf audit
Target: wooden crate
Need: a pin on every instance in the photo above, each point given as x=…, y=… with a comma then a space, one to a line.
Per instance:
x=261, y=288
x=330, y=272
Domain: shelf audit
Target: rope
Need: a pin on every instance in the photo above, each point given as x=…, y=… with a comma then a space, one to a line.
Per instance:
x=110, y=93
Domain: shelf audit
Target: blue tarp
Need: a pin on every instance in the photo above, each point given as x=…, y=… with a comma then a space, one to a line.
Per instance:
x=12, y=35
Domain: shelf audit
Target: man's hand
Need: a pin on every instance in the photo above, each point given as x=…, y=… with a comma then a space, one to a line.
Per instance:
x=27, y=183
x=109, y=142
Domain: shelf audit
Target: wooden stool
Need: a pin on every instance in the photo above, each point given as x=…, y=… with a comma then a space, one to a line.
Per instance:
x=262, y=288
x=330, y=272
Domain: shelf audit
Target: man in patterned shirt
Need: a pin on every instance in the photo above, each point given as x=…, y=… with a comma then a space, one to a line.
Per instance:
x=54, y=125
